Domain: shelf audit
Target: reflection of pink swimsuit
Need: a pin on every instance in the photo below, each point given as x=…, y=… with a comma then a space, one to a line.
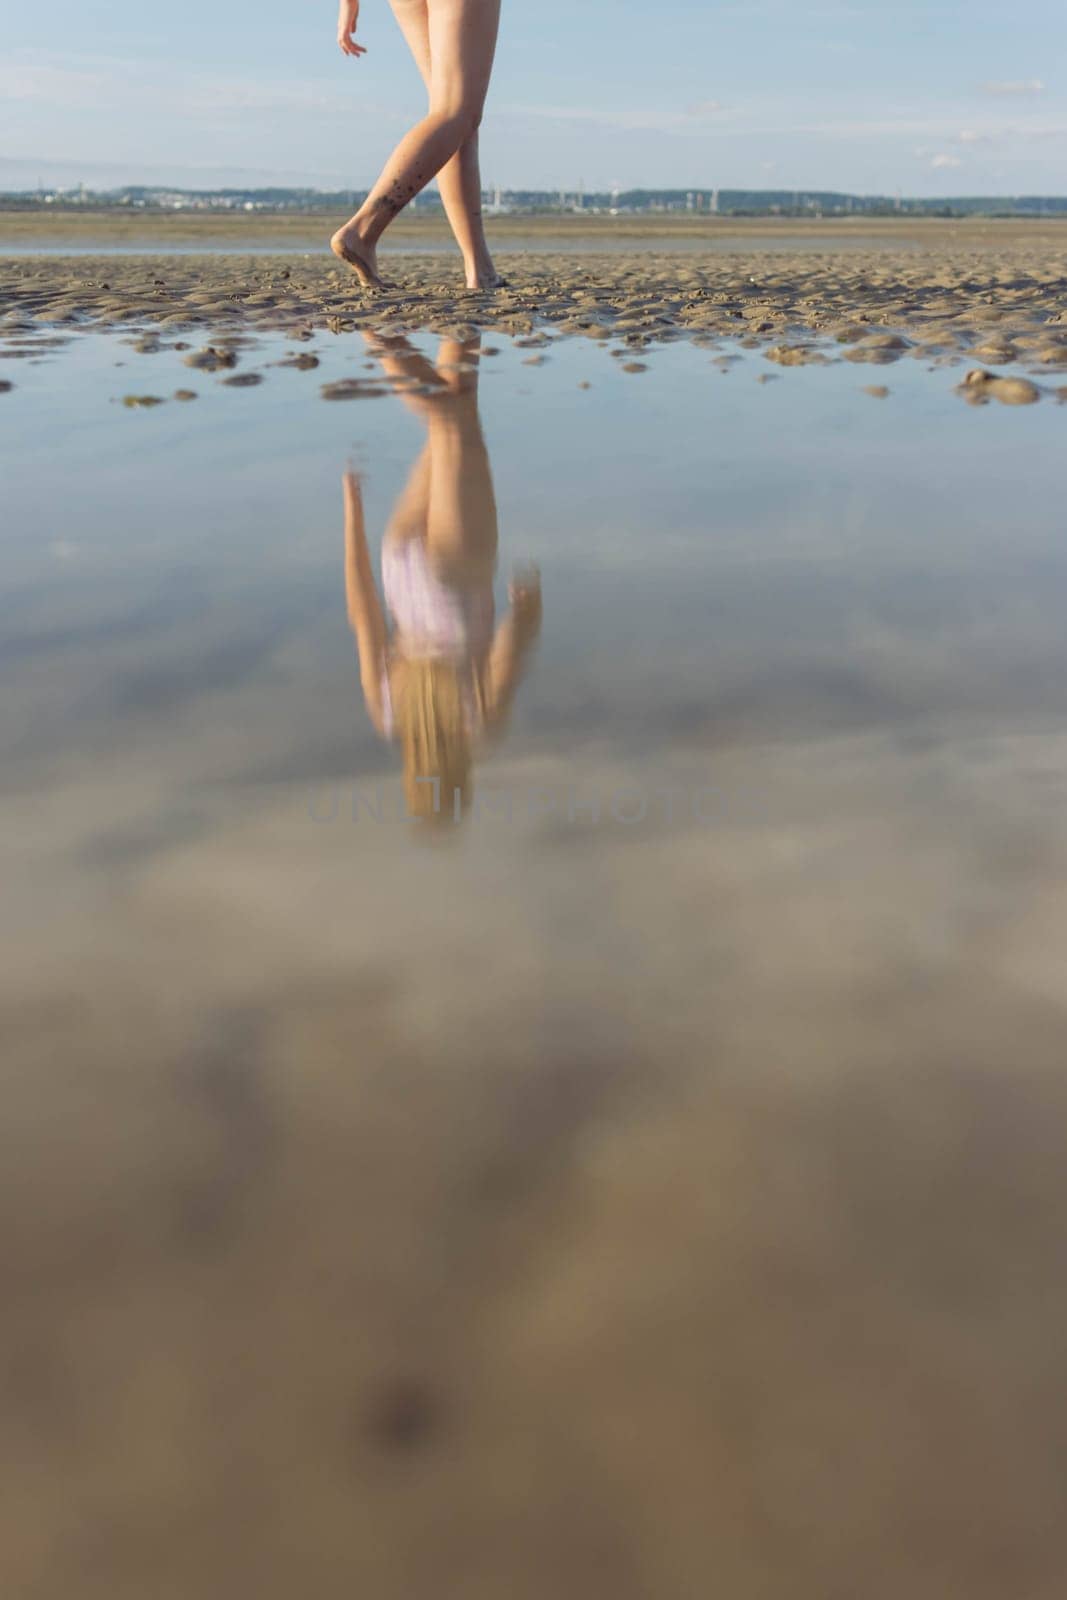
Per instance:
x=433, y=618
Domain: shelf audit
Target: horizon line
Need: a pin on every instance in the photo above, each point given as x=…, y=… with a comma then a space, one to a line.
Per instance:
x=577, y=190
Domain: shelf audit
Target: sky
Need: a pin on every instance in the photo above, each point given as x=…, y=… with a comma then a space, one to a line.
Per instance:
x=931, y=97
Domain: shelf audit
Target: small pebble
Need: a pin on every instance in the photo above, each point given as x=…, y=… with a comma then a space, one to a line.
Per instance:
x=795, y=355
x=210, y=359
x=979, y=386
x=351, y=389
x=403, y=1416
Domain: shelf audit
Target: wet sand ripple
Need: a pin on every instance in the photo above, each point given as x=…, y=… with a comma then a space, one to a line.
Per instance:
x=1002, y=304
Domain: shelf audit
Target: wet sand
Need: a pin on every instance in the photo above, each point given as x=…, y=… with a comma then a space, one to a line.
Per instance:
x=988, y=295
x=147, y=229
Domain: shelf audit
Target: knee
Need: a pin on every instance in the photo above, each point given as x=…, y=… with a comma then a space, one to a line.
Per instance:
x=462, y=120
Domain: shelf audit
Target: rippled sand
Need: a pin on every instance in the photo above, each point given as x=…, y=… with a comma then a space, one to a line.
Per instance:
x=998, y=303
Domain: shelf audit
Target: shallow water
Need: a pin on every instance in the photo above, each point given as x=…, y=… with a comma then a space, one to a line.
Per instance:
x=598, y=243
x=647, y=1185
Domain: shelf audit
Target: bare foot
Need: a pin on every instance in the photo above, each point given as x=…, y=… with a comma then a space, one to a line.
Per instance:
x=485, y=278
x=361, y=257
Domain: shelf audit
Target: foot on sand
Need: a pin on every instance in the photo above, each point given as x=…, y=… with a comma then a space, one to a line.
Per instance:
x=361, y=257
x=485, y=278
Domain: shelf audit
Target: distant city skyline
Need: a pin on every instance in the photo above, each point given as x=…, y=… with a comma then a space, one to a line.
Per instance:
x=698, y=201
x=932, y=97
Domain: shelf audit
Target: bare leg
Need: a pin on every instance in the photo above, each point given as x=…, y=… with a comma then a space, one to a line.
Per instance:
x=460, y=42
x=460, y=183
x=460, y=180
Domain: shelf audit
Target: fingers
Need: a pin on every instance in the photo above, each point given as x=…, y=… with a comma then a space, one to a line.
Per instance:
x=350, y=47
x=525, y=582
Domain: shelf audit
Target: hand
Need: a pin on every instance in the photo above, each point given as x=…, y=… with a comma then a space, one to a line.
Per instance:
x=524, y=592
x=346, y=28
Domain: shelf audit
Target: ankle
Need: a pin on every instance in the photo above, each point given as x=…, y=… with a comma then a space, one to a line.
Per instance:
x=479, y=272
x=359, y=231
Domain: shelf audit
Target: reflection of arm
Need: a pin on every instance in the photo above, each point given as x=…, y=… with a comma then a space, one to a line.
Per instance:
x=512, y=644
x=364, y=608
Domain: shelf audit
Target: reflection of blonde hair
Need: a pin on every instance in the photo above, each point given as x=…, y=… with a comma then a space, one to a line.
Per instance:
x=431, y=720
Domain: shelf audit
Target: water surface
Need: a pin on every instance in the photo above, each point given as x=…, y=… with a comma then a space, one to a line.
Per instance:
x=643, y=1178
x=599, y=242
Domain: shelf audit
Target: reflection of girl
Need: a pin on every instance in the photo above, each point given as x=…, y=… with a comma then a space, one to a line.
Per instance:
x=442, y=677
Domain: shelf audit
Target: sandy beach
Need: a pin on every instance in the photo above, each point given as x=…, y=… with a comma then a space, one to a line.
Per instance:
x=308, y=230
x=932, y=291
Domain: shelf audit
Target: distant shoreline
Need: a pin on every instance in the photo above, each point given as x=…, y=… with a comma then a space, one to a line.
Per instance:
x=103, y=228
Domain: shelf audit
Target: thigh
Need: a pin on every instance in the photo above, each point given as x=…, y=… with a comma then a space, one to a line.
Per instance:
x=463, y=37
x=413, y=19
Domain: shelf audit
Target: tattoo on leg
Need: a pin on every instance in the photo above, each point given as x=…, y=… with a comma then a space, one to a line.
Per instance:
x=398, y=195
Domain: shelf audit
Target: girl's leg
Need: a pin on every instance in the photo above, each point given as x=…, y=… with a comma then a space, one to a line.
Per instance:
x=460, y=183
x=462, y=43
x=460, y=179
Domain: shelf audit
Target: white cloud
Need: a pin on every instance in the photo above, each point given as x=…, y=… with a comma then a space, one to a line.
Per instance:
x=229, y=95
x=72, y=88
x=139, y=86
x=1014, y=86
x=944, y=160
x=688, y=121
x=79, y=107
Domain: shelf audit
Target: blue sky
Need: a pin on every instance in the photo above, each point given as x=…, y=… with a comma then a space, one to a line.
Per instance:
x=869, y=96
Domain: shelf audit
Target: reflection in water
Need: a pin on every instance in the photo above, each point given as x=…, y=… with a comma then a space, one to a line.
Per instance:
x=438, y=675
x=604, y=1211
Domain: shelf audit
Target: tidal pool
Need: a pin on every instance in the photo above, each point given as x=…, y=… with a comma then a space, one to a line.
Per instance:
x=640, y=1171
